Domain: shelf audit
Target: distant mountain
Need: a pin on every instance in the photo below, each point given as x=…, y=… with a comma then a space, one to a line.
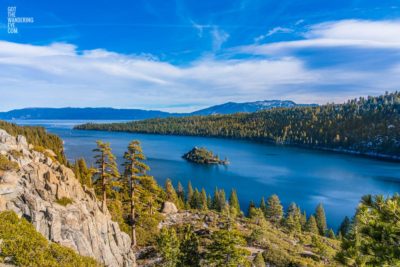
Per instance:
x=247, y=107
x=135, y=114
x=82, y=114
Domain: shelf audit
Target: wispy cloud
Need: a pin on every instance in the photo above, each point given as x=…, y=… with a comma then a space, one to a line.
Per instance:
x=219, y=37
x=60, y=75
x=272, y=32
x=346, y=33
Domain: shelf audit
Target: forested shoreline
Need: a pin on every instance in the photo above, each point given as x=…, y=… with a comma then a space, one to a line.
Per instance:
x=366, y=126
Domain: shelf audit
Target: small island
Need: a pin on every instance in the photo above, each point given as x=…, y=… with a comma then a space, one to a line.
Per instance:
x=203, y=156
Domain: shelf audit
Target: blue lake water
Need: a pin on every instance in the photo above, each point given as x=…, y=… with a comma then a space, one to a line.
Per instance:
x=307, y=177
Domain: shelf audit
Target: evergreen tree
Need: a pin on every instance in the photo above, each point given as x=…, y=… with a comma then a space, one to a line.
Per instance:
x=85, y=173
x=77, y=172
x=293, y=219
x=209, y=202
x=203, y=198
x=311, y=225
x=321, y=219
x=225, y=250
x=259, y=260
x=189, y=247
x=263, y=206
x=222, y=200
x=303, y=220
x=135, y=169
x=250, y=209
x=274, y=210
x=331, y=234
x=189, y=194
x=344, y=227
x=106, y=169
x=374, y=236
x=234, y=202
x=215, y=201
x=168, y=246
x=180, y=192
x=170, y=192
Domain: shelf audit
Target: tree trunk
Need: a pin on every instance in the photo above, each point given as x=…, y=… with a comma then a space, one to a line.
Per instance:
x=103, y=177
x=133, y=234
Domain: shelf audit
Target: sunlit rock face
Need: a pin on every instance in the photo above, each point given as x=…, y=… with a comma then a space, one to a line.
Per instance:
x=33, y=191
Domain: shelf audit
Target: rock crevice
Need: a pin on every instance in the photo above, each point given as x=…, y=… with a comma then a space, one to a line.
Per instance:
x=33, y=191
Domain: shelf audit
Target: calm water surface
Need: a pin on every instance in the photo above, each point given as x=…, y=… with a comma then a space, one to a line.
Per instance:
x=304, y=176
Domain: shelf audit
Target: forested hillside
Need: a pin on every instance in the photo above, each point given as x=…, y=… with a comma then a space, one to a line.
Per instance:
x=369, y=126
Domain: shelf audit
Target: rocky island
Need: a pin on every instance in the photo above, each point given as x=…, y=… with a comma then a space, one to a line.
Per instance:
x=203, y=156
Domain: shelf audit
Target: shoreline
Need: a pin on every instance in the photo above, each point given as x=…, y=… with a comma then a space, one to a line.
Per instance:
x=370, y=155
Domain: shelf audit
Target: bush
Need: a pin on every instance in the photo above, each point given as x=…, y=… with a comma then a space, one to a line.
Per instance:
x=22, y=245
x=16, y=154
x=8, y=165
x=64, y=201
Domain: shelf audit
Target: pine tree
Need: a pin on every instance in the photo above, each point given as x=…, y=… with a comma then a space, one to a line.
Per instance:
x=331, y=234
x=189, y=194
x=225, y=249
x=135, y=169
x=215, y=201
x=274, y=210
x=250, y=209
x=293, y=218
x=222, y=200
x=168, y=246
x=209, y=202
x=180, y=192
x=77, y=172
x=373, y=239
x=189, y=247
x=263, y=206
x=311, y=225
x=321, y=219
x=85, y=173
x=106, y=169
x=259, y=260
x=170, y=192
x=344, y=227
x=303, y=220
x=203, y=198
x=234, y=202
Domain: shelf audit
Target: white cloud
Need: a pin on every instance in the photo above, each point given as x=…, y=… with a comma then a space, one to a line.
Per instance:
x=345, y=33
x=272, y=32
x=219, y=37
x=58, y=75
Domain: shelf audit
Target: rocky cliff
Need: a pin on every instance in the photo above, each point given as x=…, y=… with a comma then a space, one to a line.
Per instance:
x=34, y=190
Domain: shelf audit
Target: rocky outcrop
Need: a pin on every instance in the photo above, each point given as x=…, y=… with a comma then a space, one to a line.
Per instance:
x=33, y=191
x=169, y=208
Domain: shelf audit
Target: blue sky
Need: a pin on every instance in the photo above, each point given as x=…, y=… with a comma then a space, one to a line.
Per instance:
x=185, y=55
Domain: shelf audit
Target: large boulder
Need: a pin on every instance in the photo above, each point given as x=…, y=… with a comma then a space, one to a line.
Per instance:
x=169, y=208
x=34, y=192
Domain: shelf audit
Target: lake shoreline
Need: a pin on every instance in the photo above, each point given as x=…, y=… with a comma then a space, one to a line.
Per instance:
x=370, y=155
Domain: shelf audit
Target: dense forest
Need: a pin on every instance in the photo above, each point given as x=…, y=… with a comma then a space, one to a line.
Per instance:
x=369, y=126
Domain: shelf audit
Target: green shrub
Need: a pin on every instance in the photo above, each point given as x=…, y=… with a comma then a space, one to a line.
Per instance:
x=16, y=154
x=64, y=201
x=45, y=152
x=22, y=245
x=8, y=165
